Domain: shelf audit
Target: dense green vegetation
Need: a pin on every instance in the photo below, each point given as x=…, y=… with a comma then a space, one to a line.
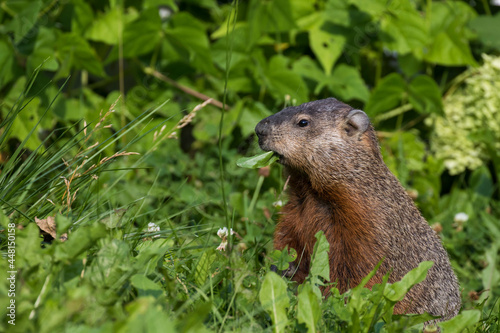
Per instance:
x=121, y=124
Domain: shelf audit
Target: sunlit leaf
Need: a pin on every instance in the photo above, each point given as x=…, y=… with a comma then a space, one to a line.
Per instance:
x=398, y=290
x=26, y=16
x=257, y=161
x=308, y=308
x=202, y=267
x=107, y=27
x=404, y=31
x=274, y=299
x=449, y=45
x=386, y=95
x=482, y=25
x=74, y=52
x=320, y=261
x=461, y=322
x=326, y=46
x=346, y=83
x=425, y=96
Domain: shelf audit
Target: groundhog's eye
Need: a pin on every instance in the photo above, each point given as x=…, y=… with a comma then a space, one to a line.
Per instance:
x=303, y=123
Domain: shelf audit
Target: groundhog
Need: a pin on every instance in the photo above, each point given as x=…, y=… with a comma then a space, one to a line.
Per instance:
x=339, y=183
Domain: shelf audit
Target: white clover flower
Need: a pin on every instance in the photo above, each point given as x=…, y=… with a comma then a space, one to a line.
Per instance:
x=461, y=218
x=223, y=233
x=164, y=13
x=278, y=203
x=153, y=227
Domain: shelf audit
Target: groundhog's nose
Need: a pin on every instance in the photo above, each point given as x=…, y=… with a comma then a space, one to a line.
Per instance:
x=262, y=128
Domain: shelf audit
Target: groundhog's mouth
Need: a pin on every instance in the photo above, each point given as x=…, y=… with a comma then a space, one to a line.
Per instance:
x=281, y=158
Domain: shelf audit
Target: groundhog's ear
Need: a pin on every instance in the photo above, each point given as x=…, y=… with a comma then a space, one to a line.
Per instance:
x=356, y=123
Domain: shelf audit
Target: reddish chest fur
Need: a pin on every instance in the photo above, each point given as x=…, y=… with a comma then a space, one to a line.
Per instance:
x=354, y=250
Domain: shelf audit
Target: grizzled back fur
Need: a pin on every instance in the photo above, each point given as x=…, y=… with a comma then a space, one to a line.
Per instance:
x=340, y=184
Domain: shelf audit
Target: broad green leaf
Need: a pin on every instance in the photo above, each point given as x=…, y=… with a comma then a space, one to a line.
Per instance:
x=346, y=83
x=63, y=224
x=308, y=308
x=26, y=16
x=425, y=96
x=203, y=266
x=309, y=69
x=301, y=9
x=141, y=282
x=274, y=299
x=240, y=57
x=386, y=95
x=375, y=8
x=257, y=161
x=140, y=36
x=29, y=240
x=144, y=315
x=320, y=261
x=24, y=123
x=481, y=182
x=398, y=290
x=326, y=46
x=145, y=286
x=207, y=126
x=415, y=321
x=492, y=224
x=449, y=45
x=272, y=16
x=226, y=29
x=357, y=301
x=252, y=113
x=490, y=275
x=171, y=3
x=7, y=61
x=409, y=150
x=281, y=81
x=112, y=259
x=195, y=43
x=107, y=27
x=462, y=321
x=79, y=241
x=195, y=320
x=482, y=26
x=82, y=18
x=113, y=219
x=404, y=31
x=283, y=258
x=74, y=52
x=450, y=49
x=43, y=52
x=410, y=65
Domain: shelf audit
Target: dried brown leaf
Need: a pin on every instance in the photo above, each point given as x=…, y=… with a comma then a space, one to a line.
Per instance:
x=48, y=226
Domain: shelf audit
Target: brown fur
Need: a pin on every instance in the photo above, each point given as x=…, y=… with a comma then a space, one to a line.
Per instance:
x=340, y=184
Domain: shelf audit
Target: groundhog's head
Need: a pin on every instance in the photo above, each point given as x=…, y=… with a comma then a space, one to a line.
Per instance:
x=321, y=138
